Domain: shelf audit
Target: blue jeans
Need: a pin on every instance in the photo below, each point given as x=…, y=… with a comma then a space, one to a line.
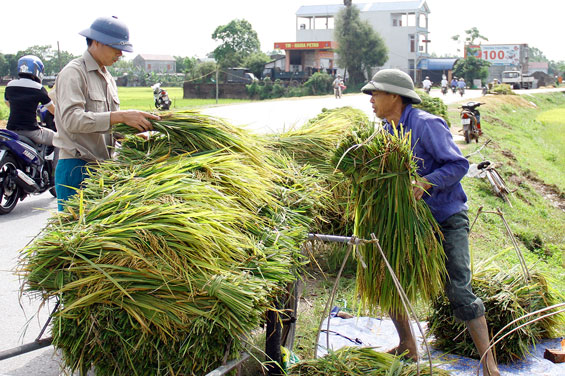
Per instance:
x=69, y=175
x=465, y=304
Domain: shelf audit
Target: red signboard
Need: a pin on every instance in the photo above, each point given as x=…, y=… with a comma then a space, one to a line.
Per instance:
x=304, y=45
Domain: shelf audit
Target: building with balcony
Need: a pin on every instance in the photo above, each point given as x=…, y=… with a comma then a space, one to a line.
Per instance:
x=403, y=25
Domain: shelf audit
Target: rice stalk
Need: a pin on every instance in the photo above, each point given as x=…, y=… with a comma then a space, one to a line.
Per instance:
x=381, y=169
x=507, y=297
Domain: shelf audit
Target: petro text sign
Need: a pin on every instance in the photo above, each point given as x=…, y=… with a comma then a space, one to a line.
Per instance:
x=304, y=45
x=498, y=54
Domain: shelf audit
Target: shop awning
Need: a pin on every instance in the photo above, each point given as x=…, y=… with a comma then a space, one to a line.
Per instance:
x=437, y=64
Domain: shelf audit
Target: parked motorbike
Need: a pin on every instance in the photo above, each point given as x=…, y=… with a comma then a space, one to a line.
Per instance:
x=471, y=121
x=25, y=168
x=162, y=101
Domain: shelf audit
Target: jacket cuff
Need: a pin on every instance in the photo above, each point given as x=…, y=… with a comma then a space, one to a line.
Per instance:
x=102, y=121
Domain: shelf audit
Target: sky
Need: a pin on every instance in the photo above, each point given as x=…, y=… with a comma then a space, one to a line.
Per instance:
x=185, y=27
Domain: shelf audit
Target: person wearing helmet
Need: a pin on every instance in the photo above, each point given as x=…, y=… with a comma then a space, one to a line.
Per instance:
x=427, y=84
x=454, y=84
x=87, y=105
x=441, y=167
x=23, y=96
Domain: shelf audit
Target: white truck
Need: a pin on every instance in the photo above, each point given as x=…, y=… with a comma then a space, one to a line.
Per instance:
x=517, y=80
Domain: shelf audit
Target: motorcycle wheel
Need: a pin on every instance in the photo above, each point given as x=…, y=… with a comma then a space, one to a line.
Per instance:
x=467, y=137
x=53, y=192
x=9, y=191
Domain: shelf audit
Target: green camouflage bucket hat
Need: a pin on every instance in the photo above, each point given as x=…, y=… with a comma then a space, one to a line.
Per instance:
x=392, y=81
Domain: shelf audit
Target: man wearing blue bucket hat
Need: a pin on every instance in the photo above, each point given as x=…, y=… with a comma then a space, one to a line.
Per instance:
x=87, y=105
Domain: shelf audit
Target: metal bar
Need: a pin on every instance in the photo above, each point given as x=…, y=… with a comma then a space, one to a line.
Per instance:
x=336, y=238
x=28, y=347
x=222, y=370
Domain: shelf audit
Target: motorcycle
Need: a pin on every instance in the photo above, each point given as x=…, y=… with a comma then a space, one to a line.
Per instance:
x=471, y=121
x=461, y=90
x=444, y=90
x=162, y=101
x=453, y=89
x=427, y=90
x=25, y=168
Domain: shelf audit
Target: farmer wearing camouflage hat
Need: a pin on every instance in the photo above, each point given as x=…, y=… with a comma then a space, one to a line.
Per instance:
x=441, y=167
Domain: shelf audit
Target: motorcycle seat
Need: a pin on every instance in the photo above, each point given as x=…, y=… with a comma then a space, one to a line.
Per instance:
x=27, y=140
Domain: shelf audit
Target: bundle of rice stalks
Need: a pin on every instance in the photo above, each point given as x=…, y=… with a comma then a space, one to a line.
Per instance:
x=164, y=266
x=313, y=145
x=191, y=132
x=359, y=361
x=381, y=169
x=506, y=297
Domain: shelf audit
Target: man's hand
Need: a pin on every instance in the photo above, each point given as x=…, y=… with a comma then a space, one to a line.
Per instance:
x=134, y=118
x=420, y=187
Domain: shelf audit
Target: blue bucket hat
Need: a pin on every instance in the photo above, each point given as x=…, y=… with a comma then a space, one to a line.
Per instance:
x=111, y=32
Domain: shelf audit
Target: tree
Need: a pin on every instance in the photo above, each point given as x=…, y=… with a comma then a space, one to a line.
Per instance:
x=4, y=66
x=57, y=61
x=471, y=37
x=256, y=63
x=238, y=40
x=359, y=46
x=471, y=67
x=185, y=64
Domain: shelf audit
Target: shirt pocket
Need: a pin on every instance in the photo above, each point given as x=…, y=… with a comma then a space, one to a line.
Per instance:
x=96, y=102
x=115, y=102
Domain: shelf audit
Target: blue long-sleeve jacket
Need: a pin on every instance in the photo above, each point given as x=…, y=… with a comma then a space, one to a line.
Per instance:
x=439, y=160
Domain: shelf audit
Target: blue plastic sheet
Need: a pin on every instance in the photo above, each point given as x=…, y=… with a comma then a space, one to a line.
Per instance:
x=381, y=334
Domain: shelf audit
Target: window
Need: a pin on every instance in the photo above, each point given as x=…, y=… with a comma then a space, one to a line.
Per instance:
x=412, y=43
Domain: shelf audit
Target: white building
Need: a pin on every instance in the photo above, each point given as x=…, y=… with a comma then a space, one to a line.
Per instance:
x=155, y=63
x=403, y=25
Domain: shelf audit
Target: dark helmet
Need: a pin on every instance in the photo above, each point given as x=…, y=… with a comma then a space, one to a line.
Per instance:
x=111, y=32
x=30, y=66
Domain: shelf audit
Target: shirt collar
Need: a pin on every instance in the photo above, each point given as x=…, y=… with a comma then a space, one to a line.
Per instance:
x=405, y=113
x=403, y=117
x=91, y=64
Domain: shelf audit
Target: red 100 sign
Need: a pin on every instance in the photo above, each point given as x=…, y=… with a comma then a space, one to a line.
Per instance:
x=491, y=55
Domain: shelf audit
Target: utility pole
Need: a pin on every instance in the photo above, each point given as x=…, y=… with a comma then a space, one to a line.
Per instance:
x=59, y=55
x=217, y=85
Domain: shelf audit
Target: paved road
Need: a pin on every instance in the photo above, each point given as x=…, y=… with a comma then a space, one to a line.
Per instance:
x=280, y=114
x=30, y=216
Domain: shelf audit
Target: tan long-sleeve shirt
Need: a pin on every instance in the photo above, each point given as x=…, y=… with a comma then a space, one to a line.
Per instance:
x=85, y=96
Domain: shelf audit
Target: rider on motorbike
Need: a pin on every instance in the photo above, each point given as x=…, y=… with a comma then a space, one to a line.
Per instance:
x=23, y=96
x=443, y=84
x=427, y=84
x=461, y=86
x=454, y=84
